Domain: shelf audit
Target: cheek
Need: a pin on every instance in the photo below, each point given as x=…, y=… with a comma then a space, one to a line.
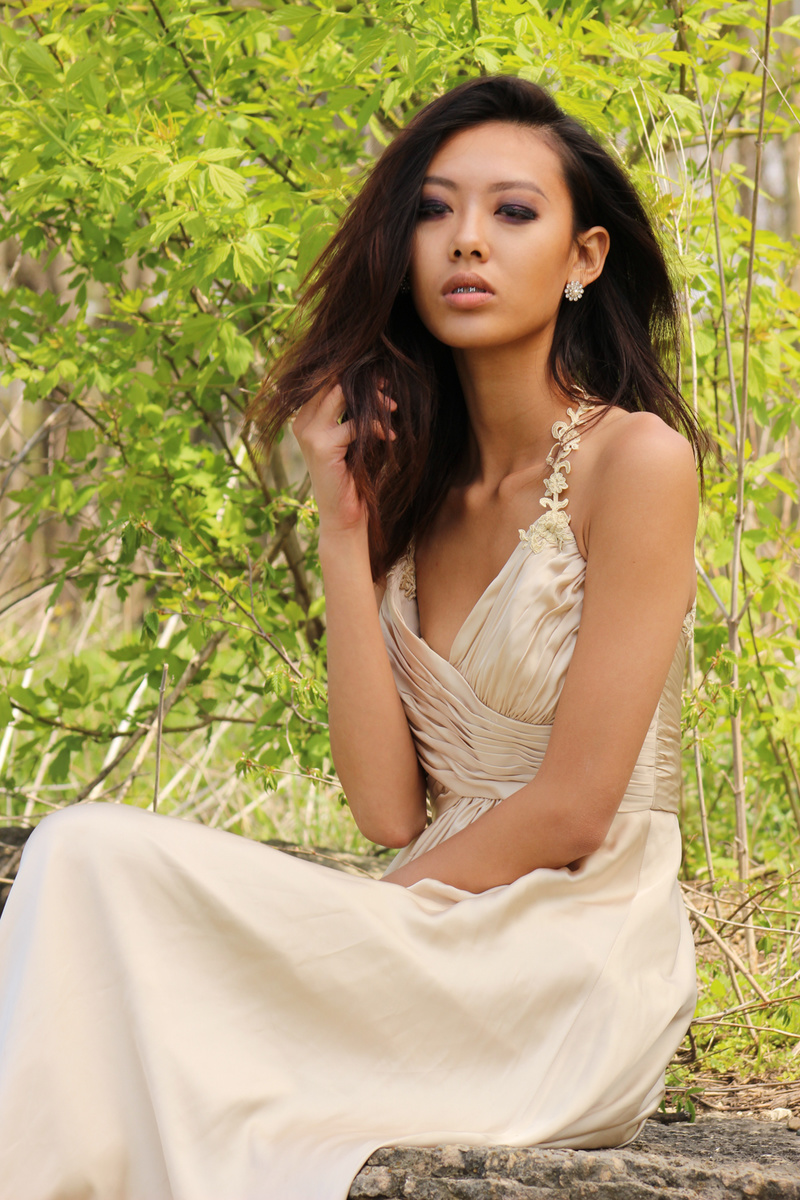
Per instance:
x=421, y=253
x=422, y=271
x=547, y=251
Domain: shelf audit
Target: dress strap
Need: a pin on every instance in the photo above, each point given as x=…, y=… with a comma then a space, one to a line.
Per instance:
x=407, y=572
x=552, y=528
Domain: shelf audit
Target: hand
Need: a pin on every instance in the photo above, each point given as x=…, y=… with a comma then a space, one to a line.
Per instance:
x=323, y=439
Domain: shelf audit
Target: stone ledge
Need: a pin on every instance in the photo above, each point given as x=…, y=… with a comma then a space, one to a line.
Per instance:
x=713, y=1159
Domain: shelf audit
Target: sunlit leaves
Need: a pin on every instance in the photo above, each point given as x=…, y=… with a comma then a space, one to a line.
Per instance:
x=186, y=179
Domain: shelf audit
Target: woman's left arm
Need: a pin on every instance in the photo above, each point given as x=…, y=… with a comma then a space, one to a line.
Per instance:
x=640, y=577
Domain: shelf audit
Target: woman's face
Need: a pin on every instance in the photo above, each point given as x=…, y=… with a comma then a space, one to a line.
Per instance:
x=495, y=215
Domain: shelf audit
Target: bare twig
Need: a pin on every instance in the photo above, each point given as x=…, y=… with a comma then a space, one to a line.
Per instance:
x=742, y=849
x=707, y=581
x=32, y=441
x=38, y=29
x=159, y=733
x=727, y=950
x=752, y=1006
x=192, y=668
x=723, y=289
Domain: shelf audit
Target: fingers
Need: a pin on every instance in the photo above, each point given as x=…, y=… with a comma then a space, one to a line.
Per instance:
x=323, y=402
x=379, y=431
x=341, y=435
x=346, y=433
x=332, y=405
x=327, y=411
x=387, y=399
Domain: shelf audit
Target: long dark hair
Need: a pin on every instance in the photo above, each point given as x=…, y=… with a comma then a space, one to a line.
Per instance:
x=362, y=330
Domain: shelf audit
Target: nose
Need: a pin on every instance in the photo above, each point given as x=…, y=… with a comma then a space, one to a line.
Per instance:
x=469, y=240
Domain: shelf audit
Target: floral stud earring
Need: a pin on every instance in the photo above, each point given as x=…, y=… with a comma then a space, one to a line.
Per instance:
x=574, y=289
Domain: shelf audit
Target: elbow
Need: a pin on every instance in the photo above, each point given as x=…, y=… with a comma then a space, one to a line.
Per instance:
x=394, y=834
x=394, y=841
x=394, y=824
x=586, y=825
x=581, y=847
x=584, y=838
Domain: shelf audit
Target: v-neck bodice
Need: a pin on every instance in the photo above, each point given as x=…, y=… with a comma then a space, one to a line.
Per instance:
x=552, y=528
x=481, y=718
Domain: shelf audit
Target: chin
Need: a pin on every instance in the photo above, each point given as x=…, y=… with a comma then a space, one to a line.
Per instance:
x=480, y=339
x=467, y=333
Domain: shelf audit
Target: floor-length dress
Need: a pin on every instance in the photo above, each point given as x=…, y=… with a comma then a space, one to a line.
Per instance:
x=188, y=1015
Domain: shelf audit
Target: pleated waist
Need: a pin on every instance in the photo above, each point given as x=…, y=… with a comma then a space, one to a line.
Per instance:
x=472, y=750
x=642, y=793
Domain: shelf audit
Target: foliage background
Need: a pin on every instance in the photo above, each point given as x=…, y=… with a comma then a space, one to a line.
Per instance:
x=170, y=170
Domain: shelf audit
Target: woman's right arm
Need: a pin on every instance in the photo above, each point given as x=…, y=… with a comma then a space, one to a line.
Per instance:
x=372, y=747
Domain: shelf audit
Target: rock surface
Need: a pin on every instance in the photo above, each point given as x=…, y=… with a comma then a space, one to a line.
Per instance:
x=713, y=1159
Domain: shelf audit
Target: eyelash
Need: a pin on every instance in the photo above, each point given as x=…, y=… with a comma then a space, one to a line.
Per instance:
x=517, y=212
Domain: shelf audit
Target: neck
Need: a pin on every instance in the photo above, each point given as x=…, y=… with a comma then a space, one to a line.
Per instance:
x=512, y=404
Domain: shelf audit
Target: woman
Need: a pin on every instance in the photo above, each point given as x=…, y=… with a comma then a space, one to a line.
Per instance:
x=483, y=345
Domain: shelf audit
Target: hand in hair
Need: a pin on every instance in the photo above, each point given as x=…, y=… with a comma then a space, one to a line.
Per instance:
x=324, y=434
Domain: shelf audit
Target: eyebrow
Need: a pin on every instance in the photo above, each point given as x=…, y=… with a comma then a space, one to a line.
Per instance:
x=505, y=186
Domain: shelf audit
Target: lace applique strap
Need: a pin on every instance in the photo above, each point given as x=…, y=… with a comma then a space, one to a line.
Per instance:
x=407, y=573
x=552, y=528
x=687, y=628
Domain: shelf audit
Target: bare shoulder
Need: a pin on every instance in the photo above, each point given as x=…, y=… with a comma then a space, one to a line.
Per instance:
x=634, y=437
x=640, y=448
x=643, y=471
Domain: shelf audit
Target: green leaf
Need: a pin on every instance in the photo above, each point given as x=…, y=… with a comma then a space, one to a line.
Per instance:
x=96, y=90
x=181, y=170
x=237, y=350
x=241, y=266
x=226, y=182
x=59, y=767
x=705, y=343
x=39, y=62
x=129, y=233
x=83, y=66
x=80, y=443
x=219, y=154
x=150, y=625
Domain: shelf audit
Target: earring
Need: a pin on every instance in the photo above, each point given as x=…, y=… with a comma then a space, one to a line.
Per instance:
x=405, y=286
x=574, y=289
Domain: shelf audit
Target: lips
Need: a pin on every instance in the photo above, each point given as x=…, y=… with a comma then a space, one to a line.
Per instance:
x=466, y=283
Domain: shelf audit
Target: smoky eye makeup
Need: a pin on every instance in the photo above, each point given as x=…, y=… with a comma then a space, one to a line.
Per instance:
x=514, y=211
x=518, y=212
x=429, y=206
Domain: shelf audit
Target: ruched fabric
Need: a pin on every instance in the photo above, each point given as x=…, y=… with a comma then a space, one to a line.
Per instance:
x=187, y=1015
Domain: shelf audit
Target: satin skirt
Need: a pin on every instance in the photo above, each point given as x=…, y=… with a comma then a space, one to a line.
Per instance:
x=188, y=1015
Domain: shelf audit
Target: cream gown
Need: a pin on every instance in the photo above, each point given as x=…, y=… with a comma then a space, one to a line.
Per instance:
x=188, y=1015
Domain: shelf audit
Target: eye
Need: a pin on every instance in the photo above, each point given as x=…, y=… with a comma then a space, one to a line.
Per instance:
x=431, y=208
x=518, y=212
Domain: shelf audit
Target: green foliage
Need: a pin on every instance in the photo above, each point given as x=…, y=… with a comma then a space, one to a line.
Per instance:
x=172, y=169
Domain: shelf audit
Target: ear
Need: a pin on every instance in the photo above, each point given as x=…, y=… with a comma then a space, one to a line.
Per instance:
x=591, y=248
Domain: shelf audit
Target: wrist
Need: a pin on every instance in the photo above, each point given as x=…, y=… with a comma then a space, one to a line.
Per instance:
x=335, y=544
